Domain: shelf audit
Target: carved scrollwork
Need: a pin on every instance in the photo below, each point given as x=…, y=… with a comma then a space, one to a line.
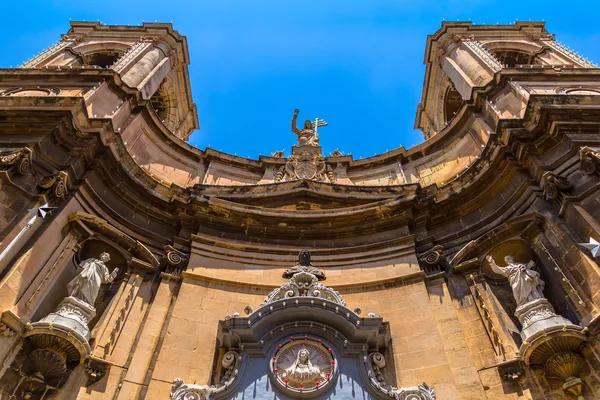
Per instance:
x=58, y=184
x=306, y=164
x=181, y=391
x=554, y=184
x=175, y=260
x=307, y=285
x=230, y=364
x=589, y=160
x=376, y=363
x=18, y=162
x=432, y=261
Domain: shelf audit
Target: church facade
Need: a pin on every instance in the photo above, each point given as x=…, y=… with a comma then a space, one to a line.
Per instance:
x=136, y=266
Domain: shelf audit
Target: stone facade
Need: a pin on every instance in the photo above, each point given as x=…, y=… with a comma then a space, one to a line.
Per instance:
x=216, y=295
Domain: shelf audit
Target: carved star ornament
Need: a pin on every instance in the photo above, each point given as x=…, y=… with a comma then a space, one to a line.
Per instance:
x=593, y=246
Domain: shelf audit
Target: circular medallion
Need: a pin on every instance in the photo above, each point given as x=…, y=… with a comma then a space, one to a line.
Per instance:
x=303, y=365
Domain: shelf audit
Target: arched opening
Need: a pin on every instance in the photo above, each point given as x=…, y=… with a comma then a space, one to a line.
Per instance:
x=102, y=59
x=163, y=103
x=512, y=58
x=452, y=103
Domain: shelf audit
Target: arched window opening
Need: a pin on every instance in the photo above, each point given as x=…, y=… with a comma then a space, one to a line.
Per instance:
x=452, y=103
x=513, y=58
x=163, y=103
x=103, y=59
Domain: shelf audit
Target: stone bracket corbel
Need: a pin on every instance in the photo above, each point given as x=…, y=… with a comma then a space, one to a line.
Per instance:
x=96, y=368
x=176, y=262
x=433, y=262
x=11, y=324
x=511, y=370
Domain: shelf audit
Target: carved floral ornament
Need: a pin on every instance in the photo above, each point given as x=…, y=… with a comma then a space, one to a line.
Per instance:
x=375, y=363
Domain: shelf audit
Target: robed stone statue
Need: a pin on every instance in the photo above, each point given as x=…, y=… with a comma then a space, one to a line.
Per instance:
x=526, y=284
x=94, y=273
x=307, y=136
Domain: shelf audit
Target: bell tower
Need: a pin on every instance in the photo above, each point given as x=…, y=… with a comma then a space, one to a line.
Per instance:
x=150, y=61
x=461, y=58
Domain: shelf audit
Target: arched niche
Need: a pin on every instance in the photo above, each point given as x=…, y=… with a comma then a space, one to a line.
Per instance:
x=94, y=236
x=517, y=248
x=498, y=285
x=513, y=238
x=92, y=248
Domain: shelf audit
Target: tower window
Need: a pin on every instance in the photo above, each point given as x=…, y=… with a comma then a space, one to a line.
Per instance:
x=512, y=58
x=102, y=59
x=452, y=103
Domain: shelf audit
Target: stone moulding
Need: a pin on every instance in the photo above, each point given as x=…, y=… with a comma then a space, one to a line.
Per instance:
x=92, y=223
x=374, y=363
x=231, y=363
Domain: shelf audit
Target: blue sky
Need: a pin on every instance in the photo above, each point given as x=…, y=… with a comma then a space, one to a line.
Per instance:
x=357, y=64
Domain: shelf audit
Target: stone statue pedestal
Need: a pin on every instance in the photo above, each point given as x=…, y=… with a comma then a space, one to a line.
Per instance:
x=72, y=314
x=537, y=316
x=313, y=150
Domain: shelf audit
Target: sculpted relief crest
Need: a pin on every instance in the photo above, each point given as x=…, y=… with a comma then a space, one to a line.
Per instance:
x=303, y=365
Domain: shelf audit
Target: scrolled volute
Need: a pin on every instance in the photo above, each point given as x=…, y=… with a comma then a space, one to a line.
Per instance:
x=554, y=184
x=376, y=362
x=589, y=160
x=18, y=162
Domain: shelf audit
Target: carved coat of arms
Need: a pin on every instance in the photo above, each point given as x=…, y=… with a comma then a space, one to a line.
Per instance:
x=306, y=165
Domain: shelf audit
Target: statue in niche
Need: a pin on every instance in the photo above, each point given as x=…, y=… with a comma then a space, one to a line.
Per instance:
x=527, y=284
x=304, y=265
x=94, y=273
x=302, y=370
x=307, y=136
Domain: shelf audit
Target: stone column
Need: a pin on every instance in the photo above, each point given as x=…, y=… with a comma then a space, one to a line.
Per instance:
x=467, y=65
x=145, y=67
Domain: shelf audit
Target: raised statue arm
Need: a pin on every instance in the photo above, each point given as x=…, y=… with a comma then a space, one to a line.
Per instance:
x=294, y=118
x=108, y=278
x=495, y=267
